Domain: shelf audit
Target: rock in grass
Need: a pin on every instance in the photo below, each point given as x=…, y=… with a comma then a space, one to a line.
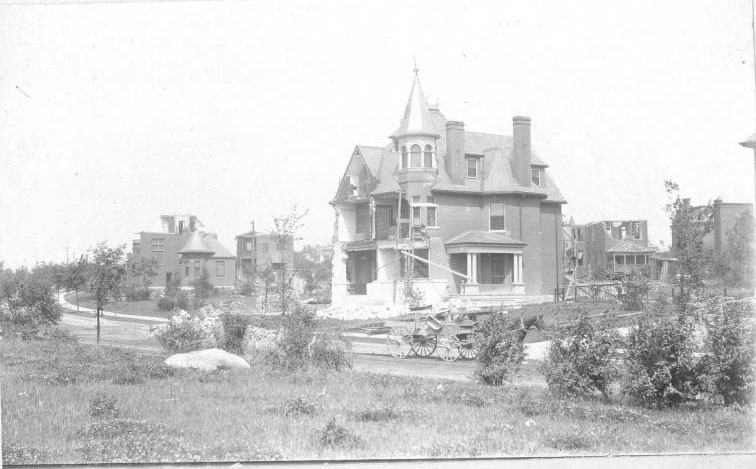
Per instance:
x=207, y=360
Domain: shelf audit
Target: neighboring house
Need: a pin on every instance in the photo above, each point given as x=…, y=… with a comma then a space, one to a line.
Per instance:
x=465, y=213
x=721, y=215
x=257, y=251
x=180, y=246
x=611, y=247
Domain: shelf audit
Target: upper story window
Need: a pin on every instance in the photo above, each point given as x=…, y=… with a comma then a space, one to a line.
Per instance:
x=415, y=156
x=635, y=229
x=430, y=214
x=158, y=244
x=428, y=156
x=497, y=217
x=472, y=167
x=535, y=176
x=248, y=245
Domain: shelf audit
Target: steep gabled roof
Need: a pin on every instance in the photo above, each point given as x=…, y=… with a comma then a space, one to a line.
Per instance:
x=219, y=250
x=196, y=244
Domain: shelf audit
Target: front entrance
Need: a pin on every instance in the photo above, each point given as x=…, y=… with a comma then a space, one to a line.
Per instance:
x=360, y=271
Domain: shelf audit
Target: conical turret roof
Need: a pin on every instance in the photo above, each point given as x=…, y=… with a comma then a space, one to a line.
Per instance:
x=196, y=245
x=417, y=119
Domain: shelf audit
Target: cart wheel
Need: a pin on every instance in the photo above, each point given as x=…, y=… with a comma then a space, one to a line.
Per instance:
x=467, y=347
x=399, y=342
x=423, y=344
x=448, y=348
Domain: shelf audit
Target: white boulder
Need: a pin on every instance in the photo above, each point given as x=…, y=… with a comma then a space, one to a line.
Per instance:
x=207, y=360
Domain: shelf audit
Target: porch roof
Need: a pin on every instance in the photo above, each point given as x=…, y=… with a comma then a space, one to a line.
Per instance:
x=629, y=246
x=483, y=241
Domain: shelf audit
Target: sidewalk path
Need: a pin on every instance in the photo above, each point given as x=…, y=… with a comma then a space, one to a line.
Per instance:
x=107, y=314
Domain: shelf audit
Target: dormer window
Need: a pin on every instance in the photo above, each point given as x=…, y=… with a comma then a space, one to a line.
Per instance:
x=415, y=155
x=472, y=167
x=535, y=176
x=404, y=156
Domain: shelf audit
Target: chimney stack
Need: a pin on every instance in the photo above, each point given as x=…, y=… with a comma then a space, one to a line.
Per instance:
x=521, y=150
x=455, y=151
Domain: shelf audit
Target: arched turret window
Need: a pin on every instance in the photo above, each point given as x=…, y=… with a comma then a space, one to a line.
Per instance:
x=428, y=156
x=415, y=152
x=404, y=156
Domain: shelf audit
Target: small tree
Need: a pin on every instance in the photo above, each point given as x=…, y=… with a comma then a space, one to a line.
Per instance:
x=285, y=228
x=500, y=351
x=582, y=358
x=202, y=287
x=689, y=227
x=735, y=264
x=107, y=272
x=147, y=269
x=75, y=276
x=30, y=296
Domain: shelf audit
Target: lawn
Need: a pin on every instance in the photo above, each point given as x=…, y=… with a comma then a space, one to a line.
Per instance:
x=67, y=403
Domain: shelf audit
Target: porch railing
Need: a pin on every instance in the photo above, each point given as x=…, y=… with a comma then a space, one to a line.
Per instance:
x=486, y=288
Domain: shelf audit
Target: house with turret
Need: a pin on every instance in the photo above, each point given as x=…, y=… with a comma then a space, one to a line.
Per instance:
x=181, y=246
x=451, y=212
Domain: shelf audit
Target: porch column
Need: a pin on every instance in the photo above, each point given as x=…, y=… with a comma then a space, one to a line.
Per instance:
x=474, y=267
x=469, y=267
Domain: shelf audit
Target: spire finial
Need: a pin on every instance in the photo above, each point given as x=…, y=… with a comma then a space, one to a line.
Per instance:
x=414, y=60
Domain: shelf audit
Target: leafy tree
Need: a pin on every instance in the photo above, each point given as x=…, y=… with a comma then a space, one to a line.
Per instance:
x=735, y=265
x=147, y=269
x=202, y=286
x=75, y=276
x=500, y=350
x=285, y=228
x=107, y=272
x=29, y=296
x=689, y=227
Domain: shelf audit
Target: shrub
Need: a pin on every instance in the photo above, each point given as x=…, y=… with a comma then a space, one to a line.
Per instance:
x=334, y=435
x=103, y=406
x=634, y=292
x=246, y=286
x=582, y=358
x=29, y=297
x=330, y=351
x=134, y=293
x=184, y=334
x=234, y=328
x=660, y=366
x=500, y=351
x=301, y=406
x=730, y=361
x=174, y=300
x=298, y=332
x=202, y=286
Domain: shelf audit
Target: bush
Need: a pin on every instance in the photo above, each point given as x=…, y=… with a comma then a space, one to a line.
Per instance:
x=301, y=406
x=634, y=292
x=246, y=286
x=334, y=435
x=103, y=406
x=330, y=351
x=234, y=328
x=134, y=293
x=298, y=332
x=29, y=297
x=185, y=334
x=660, y=367
x=582, y=358
x=500, y=351
x=730, y=361
x=202, y=286
x=175, y=300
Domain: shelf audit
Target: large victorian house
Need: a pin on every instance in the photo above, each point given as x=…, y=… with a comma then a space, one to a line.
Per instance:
x=450, y=211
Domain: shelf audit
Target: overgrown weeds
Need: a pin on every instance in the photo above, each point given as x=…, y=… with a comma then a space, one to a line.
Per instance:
x=336, y=436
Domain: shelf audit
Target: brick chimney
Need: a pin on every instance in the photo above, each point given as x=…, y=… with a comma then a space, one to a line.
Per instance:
x=521, y=150
x=455, y=151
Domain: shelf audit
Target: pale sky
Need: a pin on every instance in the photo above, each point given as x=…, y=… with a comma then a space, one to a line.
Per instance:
x=113, y=114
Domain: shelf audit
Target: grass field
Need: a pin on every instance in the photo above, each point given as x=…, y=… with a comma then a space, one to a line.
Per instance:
x=65, y=403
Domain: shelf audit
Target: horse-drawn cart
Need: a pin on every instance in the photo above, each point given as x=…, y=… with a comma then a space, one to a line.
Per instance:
x=450, y=339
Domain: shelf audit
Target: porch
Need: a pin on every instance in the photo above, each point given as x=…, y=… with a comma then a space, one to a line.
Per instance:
x=492, y=262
